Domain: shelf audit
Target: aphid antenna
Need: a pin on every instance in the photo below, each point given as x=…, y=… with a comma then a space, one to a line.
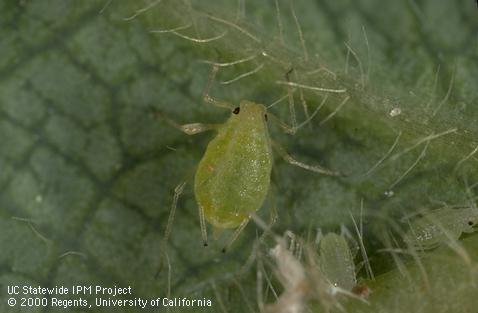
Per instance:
x=385, y=156
x=206, y=94
x=142, y=10
x=243, y=75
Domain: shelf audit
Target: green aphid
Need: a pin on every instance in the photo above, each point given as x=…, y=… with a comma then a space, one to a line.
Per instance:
x=440, y=226
x=233, y=177
x=336, y=261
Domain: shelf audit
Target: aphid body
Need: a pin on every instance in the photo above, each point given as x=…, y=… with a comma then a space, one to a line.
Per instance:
x=337, y=262
x=439, y=226
x=233, y=177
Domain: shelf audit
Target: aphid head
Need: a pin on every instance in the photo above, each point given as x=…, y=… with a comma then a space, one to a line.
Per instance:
x=251, y=110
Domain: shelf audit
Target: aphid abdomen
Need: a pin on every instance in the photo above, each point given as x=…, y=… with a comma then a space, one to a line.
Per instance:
x=233, y=177
x=336, y=261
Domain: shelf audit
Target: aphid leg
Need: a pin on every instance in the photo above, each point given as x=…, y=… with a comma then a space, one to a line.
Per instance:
x=202, y=222
x=313, y=168
x=189, y=129
x=164, y=254
x=207, y=97
x=236, y=234
x=177, y=193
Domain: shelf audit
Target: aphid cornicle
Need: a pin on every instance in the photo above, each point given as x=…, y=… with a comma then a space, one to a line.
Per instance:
x=436, y=227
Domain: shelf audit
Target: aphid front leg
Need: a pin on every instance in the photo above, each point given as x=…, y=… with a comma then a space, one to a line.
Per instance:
x=189, y=129
x=313, y=168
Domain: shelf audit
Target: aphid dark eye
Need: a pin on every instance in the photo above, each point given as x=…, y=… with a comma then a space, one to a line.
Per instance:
x=470, y=223
x=265, y=116
x=236, y=110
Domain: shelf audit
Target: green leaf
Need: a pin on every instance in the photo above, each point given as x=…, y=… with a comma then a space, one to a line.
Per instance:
x=87, y=171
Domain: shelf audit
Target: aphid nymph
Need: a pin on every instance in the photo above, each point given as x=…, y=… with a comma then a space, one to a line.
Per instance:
x=439, y=226
x=336, y=261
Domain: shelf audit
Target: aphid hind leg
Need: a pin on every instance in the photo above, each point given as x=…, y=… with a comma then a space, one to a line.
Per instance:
x=178, y=190
x=202, y=222
x=313, y=168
